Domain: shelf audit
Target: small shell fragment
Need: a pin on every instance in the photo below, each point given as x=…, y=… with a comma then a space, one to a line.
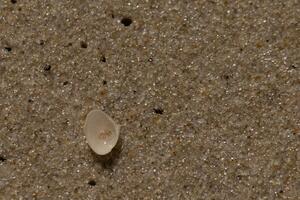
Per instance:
x=101, y=132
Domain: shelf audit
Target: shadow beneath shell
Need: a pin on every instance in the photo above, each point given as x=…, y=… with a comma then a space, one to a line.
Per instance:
x=109, y=160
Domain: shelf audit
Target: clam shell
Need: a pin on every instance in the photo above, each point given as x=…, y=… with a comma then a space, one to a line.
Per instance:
x=101, y=132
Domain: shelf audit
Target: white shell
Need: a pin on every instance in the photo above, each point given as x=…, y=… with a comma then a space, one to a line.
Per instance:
x=101, y=132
